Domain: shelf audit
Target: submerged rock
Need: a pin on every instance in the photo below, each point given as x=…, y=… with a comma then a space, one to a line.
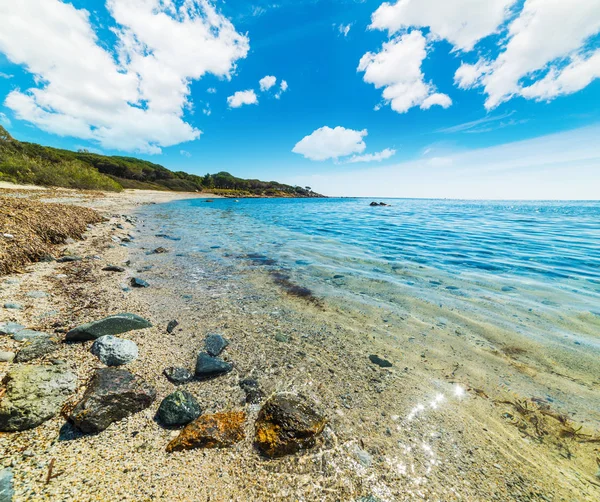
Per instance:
x=112, y=395
x=208, y=366
x=160, y=250
x=171, y=326
x=287, y=424
x=178, y=408
x=138, y=283
x=211, y=431
x=178, y=375
x=215, y=344
x=252, y=390
x=33, y=395
x=6, y=485
x=168, y=237
x=112, y=325
x=382, y=363
x=36, y=348
x=114, y=351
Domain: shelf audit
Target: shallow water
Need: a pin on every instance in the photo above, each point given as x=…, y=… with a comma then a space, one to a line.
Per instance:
x=523, y=277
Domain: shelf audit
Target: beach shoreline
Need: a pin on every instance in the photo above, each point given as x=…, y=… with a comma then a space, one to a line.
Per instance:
x=470, y=451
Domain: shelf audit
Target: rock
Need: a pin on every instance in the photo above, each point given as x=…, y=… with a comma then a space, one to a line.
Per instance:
x=138, y=283
x=287, y=424
x=252, y=390
x=37, y=294
x=368, y=498
x=69, y=258
x=113, y=268
x=112, y=325
x=36, y=348
x=114, y=351
x=171, y=326
x=208, y=366
x=160, y=250
x=13, y=306
x=165, y=236
x=382, y=363
x=33, y=395
x=215, y=344
x=178, y=408
x=6, y=485
x=281, y=338
x=6, y=356
x=362, y=457
x=211, y=431
x=112, y=395
x=178, y=375
x=10, y=328
x=26, y=335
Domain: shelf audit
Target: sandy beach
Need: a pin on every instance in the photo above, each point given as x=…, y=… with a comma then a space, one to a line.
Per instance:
x=389, y=436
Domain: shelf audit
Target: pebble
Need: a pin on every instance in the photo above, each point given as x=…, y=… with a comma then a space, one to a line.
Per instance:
x=6, y=357
x=111, y=325
x=178, y=375
x=10, y=328
x=382, y=363
x=6, y=485
x=13, y=306
x=113, y=268
x=138, y=283
x=252, y=390
x=178, y=408
x=215, y=344
x=114, y=351
x=26, y=335
x=208, y=366
x=37, y=294
x=172, y=325
x=69, y=258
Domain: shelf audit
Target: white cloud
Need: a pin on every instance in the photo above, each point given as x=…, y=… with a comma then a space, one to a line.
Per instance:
x=241, y=98
x=4, y=120
x=185, y=153
x=397, y=68
x=327, y=143
x=267, y=82
x=344, y=29
x=5, y=75
x=282, y=88
x=206, y=110
x=545, y=43
x=372, y=157
x=211, y=90
x=134, y=101
x=462, y=22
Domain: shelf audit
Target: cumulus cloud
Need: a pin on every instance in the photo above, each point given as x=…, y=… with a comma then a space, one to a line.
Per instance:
x=241, y=98
x=397, y=68
x=282, y=88
x=372, y=157
x=546, y=45
x=131, y=98
x=327, y=143
x=211, y=90
x=267, y=82
x=185, y=153
x=344, y=29
x=4, y=120
x=5, y=75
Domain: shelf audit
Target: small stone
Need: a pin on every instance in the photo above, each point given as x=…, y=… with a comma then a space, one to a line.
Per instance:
x=10, y=328
x=33, y=395
x=171, y=326
x=169, y=237
x=178, y=375
x=215, y=344
x=114, y=351
x=112, y=395
x=382, y=363
x=112, y=325
x=6, y=356
x=6, y=485
x=13, y=306
x=252, y=390
x=61, y=276
x=12, y=281
x=363, y=457
x=208, y=366
x=160, y=250
x=113, y=268
x=211, y=431
x=138, y=283
x=69, y=258
x=36, y=348
x=26, y=335
x=178, y=408
x=281, y=338
x=287, y=424
x=37, y=294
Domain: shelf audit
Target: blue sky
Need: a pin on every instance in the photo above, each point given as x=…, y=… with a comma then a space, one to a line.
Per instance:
x=428, y=98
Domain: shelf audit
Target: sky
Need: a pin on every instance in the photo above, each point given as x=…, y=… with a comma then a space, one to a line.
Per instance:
x=477, y=99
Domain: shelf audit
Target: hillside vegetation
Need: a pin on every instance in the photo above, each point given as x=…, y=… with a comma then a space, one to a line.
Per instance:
x=30, y=163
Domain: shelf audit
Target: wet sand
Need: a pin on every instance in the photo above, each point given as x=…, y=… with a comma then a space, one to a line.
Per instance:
x=434, y=426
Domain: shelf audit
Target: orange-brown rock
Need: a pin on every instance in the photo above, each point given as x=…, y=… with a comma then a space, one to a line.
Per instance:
x=287, y=424
x=211, y=431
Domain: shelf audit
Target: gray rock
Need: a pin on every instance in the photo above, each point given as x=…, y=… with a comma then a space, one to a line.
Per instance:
x=10, y=328
x=6, y=356
x=382, y=363
x=178, y=375
x=13, y=306
x=252, y=390
x=12, y=281
x=37, y=294
x=363, y=457
x=171, y=326
x=6, y=485
x=114, y=351
x=112, y=395
x=215, y=344
x=113, y=268
x=36, y=348
x=138, y=283
x=179, y=408
x=208, y=366
x=69, y=258
x=26, y=335
x=33, y=395
x=112, y=325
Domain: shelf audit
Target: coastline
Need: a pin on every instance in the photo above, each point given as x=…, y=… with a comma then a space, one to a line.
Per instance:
x=483, y=457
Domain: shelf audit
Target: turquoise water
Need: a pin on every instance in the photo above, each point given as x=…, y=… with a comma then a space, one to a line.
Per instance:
x=526, y=266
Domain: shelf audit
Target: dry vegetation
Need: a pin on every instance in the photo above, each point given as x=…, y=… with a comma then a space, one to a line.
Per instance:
x=29, y=230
